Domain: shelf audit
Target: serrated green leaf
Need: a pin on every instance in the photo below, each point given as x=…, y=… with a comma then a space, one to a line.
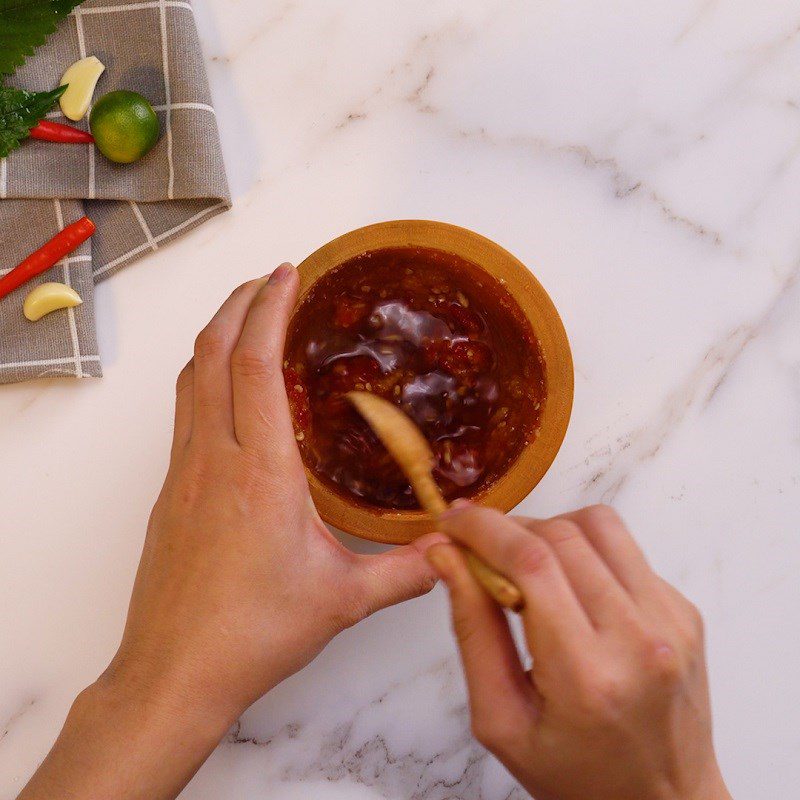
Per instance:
x=20, y=111
x=25, y=25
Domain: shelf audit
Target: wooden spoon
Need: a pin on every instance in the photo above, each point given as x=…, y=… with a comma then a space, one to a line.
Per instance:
x=409, y=448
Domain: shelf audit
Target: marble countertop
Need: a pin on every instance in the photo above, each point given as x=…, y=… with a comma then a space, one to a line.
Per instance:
x=644, y=160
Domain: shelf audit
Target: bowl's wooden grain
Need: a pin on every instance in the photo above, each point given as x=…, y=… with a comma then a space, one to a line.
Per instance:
x=399, y=527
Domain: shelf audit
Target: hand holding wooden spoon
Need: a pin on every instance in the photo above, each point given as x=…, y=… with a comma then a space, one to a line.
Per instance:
x=409, y=448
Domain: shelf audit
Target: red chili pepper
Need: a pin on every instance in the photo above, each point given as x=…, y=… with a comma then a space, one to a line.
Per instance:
x=56, y=132
x=63, y=243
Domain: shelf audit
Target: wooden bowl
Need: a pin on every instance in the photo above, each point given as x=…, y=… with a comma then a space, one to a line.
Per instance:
x=400, y=527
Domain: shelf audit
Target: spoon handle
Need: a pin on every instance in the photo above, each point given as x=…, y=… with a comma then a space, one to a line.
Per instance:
x=406, y=444
x=499, y=587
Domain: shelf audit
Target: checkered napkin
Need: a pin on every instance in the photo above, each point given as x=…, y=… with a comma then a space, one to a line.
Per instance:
x=149, y=46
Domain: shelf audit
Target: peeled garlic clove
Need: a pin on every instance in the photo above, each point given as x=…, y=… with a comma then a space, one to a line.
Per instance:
x=82, y=77
x=49, y=297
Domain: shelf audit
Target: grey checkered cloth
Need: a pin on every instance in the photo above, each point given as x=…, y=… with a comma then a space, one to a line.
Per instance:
x=149, y=46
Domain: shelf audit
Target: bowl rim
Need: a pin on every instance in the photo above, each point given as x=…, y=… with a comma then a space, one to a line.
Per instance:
x=525, y=472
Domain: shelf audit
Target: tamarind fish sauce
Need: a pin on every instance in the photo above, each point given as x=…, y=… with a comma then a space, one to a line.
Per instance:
x=437, y=336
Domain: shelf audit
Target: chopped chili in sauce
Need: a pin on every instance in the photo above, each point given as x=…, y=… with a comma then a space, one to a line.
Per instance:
x=437, y=336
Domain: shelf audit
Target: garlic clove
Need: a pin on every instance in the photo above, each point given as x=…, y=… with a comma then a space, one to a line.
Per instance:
x=49, y=297
x=81, y=78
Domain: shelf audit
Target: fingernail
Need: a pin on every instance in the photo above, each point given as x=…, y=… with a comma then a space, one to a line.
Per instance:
x=456, y=507
x=279, y=273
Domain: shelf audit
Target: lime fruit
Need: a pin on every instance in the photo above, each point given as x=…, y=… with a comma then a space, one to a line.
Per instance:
x=124, y=126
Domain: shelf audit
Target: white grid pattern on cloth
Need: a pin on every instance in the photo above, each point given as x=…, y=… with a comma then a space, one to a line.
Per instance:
x=190, y=106
x=167, y=97
x=168, y=107
x=158, y=239
x=47, y=362
x=136, y=6
x=82, y=50
x=152, y=241
x=145, y=227
x=77, y=359
x=56, y=113
x=73, y=329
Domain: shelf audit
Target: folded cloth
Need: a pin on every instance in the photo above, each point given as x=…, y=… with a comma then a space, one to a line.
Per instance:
x=148, y=46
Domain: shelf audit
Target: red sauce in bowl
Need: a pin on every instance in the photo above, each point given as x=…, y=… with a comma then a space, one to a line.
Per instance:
x=440, y=338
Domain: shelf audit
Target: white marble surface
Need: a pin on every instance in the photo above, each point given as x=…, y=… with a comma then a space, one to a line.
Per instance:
x=644, y=159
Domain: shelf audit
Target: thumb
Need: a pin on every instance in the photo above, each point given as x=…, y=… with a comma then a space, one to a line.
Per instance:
x=399, y=574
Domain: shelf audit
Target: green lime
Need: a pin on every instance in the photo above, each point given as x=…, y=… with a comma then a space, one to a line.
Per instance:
x=124, y=126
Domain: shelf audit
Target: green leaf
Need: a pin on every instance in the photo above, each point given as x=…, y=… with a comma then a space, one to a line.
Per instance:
x=65, y=6
x=20, y=111
x=25, y=25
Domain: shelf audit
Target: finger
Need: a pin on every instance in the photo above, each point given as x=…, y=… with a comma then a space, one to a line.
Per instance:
x=260, y=407
x=213, y=399
x=553, y=616
x=500, y=693
x=598, y=590
x=184, y=401
x=609, y=536
x=397, y=575
x=687, y=620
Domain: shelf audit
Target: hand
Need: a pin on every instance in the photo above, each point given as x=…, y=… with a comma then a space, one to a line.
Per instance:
x=616, y=706
x=240, y=583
